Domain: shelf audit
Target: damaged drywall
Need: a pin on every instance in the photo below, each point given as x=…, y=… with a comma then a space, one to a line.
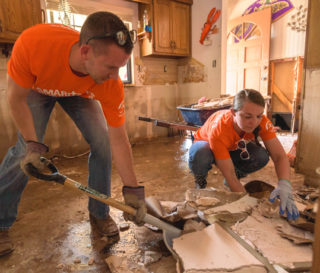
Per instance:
x=257, y=228
x=155, y=71
x=252, y=218
x=213, y=249
x=191, y=70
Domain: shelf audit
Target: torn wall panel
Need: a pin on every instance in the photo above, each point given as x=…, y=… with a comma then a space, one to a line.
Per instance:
x=214, y=250
x=276, y=249
x=191, y=70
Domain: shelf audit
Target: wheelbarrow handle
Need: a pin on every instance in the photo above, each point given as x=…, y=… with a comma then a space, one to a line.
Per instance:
x=54, y=176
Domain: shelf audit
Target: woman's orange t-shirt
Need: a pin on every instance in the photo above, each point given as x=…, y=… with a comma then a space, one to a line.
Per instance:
x=40, y=60
x=218, y=130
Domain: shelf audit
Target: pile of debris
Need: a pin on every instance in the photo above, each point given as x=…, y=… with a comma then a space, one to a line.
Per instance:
x=204, y=103
x=222, y=102
x=228, y=232
x=225, y=231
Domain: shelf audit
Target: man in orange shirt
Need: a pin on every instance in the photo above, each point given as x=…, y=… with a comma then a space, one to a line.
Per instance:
x=229, y=139
x=52, y=63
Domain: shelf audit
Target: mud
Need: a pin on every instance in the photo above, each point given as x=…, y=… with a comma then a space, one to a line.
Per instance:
x=53, y=233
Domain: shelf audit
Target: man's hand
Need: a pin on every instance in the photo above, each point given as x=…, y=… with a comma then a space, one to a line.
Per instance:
x=134, y=197
x=34, y=150
x=284, y=193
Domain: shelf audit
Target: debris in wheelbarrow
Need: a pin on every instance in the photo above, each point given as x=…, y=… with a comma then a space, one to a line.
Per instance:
x=198, y=113
x=196, y=116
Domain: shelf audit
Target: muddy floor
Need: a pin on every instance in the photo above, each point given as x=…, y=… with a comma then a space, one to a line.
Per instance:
x=53, y=234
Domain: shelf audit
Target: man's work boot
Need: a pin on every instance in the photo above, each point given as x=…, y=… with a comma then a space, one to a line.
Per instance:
x=200, y=181
x=106, y=227
x=6, y=245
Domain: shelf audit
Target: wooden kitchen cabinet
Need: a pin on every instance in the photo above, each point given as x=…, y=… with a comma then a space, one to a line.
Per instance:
x=16, y=16
x=170, y=29
x=141, y=1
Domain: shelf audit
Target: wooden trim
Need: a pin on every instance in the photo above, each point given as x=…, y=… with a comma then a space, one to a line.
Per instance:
x=293, y=59
x=282, y=97
x=141, y=1
x=297, y=92
x=189, y=2
x=271, y=78
x=248, y=34
x=316, y=243
x=312, y=50
x=294, y=106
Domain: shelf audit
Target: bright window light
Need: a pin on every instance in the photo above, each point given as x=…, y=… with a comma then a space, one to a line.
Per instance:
x=76, y=21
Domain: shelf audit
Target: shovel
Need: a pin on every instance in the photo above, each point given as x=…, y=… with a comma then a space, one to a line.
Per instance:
x=169, y=232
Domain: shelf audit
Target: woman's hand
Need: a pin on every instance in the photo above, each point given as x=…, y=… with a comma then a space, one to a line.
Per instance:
x=284, y=193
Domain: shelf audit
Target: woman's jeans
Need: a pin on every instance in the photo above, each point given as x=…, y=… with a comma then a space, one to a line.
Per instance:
x=201, y=159
x=88, y=116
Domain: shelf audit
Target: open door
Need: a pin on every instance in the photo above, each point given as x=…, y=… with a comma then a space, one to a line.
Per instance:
x=248, y=46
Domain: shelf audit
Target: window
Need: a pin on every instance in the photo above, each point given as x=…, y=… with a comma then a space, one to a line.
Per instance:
x=76, y=21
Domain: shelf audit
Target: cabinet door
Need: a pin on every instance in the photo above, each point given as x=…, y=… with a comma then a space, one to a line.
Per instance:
x=180, y=28
x=162, y=24
x=16, y=16
x=142, y=1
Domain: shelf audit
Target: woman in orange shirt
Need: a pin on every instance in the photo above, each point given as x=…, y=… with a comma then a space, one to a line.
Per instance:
x=229, y=139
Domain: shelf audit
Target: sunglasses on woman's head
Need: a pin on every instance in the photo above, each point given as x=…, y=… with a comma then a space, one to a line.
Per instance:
x=120, y=37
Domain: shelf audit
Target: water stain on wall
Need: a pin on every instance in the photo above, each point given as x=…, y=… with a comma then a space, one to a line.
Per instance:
x=191, y=70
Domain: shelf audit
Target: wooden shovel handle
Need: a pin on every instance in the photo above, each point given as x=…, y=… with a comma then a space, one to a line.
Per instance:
x=57, y=177
x=99, y=196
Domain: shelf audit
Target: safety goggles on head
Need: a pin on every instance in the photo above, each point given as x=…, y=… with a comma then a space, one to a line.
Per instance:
x=120, y=37
x=242, y=145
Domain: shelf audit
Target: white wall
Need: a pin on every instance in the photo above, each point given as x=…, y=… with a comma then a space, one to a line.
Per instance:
x=211, y=87
x=285, y=42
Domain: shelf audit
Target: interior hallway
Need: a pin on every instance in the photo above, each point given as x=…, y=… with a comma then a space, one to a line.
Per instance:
x=53, y=233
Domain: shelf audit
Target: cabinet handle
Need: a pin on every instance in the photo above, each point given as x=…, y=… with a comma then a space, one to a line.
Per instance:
x=172, y=44
x=0, y=26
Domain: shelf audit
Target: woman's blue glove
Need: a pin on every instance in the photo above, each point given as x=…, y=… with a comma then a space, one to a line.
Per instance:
x=284, y=193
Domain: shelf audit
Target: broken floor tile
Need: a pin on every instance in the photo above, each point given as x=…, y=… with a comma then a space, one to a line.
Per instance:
x=244, y=204
x=262, y=233
x=214, y=250
x=296, y=235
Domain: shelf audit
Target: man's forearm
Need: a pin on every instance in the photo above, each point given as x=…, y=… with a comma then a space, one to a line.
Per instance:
x=21, y=114
x=23, y=120
x=124, y=164
x=122, y=156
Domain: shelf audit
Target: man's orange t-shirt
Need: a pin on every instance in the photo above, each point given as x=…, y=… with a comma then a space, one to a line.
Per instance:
x=218, y=130
x=40, y=60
